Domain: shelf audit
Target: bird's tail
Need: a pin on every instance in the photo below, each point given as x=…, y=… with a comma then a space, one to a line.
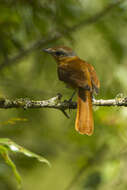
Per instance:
x=84, y=120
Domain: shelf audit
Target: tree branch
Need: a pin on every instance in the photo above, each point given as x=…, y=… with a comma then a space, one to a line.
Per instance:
x=52, y=38
x=56, y=103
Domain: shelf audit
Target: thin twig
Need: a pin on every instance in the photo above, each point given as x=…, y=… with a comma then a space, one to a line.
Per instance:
x=90, y=163
x=52, y=38
x=77, y=176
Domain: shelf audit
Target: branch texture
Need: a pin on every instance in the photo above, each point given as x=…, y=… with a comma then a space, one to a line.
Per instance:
x=56, y=103
x=52, y=38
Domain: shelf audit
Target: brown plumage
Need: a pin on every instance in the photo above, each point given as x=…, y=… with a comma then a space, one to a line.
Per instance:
x=79, y=75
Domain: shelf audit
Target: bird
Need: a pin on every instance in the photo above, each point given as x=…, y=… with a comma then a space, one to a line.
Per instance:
x=80, y=75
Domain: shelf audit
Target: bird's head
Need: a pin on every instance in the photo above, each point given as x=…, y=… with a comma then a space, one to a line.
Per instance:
x=60, y=53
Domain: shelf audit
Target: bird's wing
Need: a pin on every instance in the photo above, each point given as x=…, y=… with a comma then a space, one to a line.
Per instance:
x=94, y=78
x=75, y=76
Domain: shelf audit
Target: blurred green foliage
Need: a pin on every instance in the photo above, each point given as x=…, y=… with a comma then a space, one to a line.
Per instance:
x=46, y=131
x=6, y=146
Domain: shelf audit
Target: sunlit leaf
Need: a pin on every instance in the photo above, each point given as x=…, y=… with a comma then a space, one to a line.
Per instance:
x=5, y=155
x=13, y=147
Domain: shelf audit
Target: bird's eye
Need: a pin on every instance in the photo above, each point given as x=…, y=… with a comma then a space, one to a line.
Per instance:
x=59, y=53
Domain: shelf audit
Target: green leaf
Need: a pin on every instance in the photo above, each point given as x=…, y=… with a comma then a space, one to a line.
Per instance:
x=7, y=145
x=4, y=154
x=13, y=147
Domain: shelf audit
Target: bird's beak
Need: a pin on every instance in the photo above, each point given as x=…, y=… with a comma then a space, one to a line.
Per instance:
x=48, y=50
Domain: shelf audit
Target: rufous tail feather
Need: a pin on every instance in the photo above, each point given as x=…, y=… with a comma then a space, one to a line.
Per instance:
x=84, y=119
